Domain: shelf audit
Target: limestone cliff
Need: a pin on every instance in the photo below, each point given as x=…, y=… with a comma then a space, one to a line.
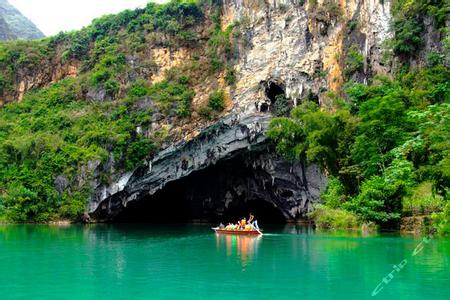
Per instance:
x=302, y=47
x=283, y=48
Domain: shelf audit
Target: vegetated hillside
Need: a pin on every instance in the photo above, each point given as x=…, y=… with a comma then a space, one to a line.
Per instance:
x=104, y=112
x=13, y=25
x=85, y=106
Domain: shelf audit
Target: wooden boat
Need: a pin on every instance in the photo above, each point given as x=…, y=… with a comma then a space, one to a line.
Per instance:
x=237, y=231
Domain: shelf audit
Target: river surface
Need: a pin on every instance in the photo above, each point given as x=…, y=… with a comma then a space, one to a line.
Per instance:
x=191, y=262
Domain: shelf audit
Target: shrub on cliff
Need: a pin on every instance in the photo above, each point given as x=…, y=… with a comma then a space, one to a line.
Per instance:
x=407, y=36
x=216, y=100
x=408, y=23
x=313, y=135
x=230, y=76
x=354, y=61
x=281, y=106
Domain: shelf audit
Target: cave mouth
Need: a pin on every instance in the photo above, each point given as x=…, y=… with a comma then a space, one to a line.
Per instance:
x=224, y=192
x=273, y=90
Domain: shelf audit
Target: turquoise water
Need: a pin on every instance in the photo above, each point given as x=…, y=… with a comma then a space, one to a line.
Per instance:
x=191, y=262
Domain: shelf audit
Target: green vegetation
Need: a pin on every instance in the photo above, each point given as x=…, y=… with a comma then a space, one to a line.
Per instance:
x=230, y=76
x=21, y=55
x=222, y=47
x=386, y=146
x=422, y=200
x=352, y=25
x=100, y=47
x=408, y=23
x=330, y=218
x=205, y=112
x=442, y=220
x=53, y=133
x=58, y=139
x=327, y=10
x=354, y=61
x=216, y=104
x=216, y=100
x=281, y=106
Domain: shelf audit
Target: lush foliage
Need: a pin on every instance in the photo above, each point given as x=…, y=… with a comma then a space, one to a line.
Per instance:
x=442, y=220
x=330, y=218
x=382, y=145
x=281, y=106
x=60, y=139
x=354, y=61
x=408, y=23
x=51, y=134
x=216, y=100
x=100, y=47
x=222, y=47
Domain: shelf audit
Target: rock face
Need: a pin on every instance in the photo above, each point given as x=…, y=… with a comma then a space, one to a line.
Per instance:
x=285, y=47
x=234, y=158
x=416, y=224
x=13, y=25
x=304, y=46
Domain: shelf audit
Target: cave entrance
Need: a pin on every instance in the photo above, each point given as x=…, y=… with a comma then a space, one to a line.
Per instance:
x=273, y=90
x=224, y=192
x=265, y=212
x=166, y=206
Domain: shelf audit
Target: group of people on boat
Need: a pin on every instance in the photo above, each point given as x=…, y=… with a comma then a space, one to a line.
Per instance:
x=242, y=224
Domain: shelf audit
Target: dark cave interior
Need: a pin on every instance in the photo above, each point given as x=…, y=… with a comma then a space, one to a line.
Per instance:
x=273, y=90
x=224, y=192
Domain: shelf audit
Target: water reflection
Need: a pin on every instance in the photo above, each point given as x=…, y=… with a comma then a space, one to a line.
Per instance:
x=297, y=229
x=243, y=246
x=309, y=230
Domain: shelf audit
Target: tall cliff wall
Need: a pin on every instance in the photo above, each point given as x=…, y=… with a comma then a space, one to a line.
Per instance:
x=281, y=47
x=303, y=47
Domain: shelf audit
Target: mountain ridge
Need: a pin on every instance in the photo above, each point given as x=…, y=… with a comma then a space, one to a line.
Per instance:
x=14, y=25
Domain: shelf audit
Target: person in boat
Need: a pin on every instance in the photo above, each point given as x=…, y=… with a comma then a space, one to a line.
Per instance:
x=243, y=223
x=232, y=226
x=253, y=222
x=251, y=218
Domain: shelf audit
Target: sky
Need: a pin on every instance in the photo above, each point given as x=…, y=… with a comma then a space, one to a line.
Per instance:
x=53, y=16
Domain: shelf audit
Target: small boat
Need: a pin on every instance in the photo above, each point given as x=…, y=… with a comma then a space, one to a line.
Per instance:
x=237, y=231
